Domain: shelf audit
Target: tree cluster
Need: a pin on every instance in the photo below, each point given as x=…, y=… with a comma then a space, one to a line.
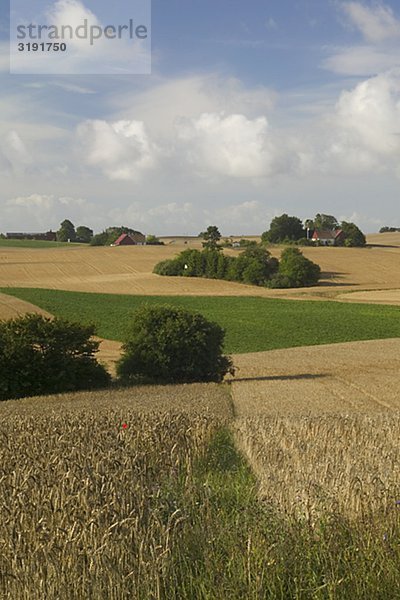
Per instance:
x=254, y=265
x=110, y=235
x=40, y=356
x=288, y=230
x=389, y=229
x=43, y=356
x=67, y=233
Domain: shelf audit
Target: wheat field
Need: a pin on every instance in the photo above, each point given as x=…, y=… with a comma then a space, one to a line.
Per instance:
x=313, y=467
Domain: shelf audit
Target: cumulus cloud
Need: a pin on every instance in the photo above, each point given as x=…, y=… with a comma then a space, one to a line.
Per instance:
x=14, y=154
x=230, y=145
x=121, y=149
x=376, y=23
x=364, y=130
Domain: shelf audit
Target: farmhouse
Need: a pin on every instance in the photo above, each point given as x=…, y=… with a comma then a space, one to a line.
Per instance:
x=327, y=237
x=49, y=236
x=130, y=239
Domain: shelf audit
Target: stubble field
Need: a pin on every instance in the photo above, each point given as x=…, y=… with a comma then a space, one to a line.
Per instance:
x=129, y=270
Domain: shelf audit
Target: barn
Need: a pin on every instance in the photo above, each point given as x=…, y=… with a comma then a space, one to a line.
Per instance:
x=130, y=239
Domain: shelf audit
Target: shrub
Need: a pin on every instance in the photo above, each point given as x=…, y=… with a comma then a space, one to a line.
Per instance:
x=43, y=356
x=299, y=270
x=171, y=268
x=171, y=345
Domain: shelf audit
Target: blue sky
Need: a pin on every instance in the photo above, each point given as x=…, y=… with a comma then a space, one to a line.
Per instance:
x=252, y=109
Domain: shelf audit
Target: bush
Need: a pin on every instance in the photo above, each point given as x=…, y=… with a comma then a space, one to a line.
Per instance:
x=299, y=270
x=43, y=356
x=171, y=268
x=171, y=345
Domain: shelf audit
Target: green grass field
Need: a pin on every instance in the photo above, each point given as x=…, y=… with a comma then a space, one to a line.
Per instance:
x=251, y=324
x=33, y=244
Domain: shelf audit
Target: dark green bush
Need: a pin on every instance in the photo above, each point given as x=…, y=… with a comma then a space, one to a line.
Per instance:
x=171, y=268
x=299, y=270
x=43, y=356
x=171, y=345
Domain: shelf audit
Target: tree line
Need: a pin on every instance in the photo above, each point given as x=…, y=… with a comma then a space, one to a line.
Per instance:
x=84, y=235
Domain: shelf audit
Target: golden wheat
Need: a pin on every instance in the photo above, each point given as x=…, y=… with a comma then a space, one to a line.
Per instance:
x=310, y=466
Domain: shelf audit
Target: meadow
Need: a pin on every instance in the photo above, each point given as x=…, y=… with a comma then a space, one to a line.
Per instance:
x=251, y=324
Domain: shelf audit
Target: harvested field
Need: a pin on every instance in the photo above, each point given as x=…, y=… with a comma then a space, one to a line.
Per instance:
x=129, y=270
x=356, y=377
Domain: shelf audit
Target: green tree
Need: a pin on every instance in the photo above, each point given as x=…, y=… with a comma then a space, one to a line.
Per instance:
x=255, y=266
x=325, y=222
x=211, y=236
x=152, y=240
x=284, y=228
x=295, y=270
x=353, y=236
x=100, y=239
x=43, y=356
x=66, y=232
x=171, y=345
x=84, y=234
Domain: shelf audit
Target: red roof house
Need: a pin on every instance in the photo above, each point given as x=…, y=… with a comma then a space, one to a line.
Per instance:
x=326, y=237
x=126, y=239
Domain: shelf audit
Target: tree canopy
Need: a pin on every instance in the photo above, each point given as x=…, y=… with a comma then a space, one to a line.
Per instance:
x=284, y=228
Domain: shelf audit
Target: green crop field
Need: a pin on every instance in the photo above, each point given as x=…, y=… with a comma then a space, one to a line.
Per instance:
x=34, y=244
x=251, y=324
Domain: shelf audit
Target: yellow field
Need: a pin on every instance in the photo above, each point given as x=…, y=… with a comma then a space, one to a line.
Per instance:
x=357, y=377
x=129, y=271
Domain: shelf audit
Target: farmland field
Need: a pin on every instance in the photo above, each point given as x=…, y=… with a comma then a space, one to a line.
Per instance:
x=143, y=495
x=129, y=270
x=251, y=324
x=35, y=244
x=281, y=483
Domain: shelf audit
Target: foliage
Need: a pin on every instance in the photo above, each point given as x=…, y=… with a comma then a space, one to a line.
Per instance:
x=84, y=234
x=41, y=356
x=353, y=236
x=283, y=228
x=211, y=236
x=297, y=269
x=110, y=235
x=152, y=240
x=324, y=222
x=66, y=232
x=172, y=345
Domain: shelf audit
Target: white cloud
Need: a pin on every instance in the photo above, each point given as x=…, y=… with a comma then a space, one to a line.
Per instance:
x=361, y=60
x=168, y=101
x=363, y=132
x=14, y=153
x=376, y=23
x=122, y=149
x=229, y=145
x=44, y=211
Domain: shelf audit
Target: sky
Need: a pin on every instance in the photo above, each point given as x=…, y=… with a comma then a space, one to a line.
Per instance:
x=252, y=109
